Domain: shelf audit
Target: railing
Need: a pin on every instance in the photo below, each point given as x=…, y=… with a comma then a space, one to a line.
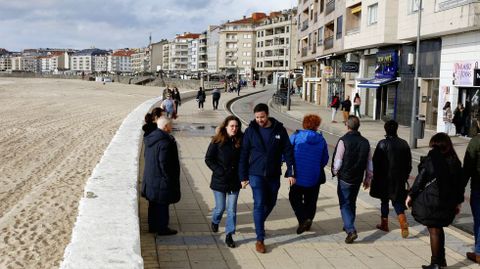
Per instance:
x=304, y=25
x=353, y=30
x=328, y=42
x=304, y=51
x=330, y=7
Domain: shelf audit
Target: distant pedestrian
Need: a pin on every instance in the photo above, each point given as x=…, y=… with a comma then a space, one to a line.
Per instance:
x=346, y=105
x=437, y=193
x=392, y=163
x=351, y=160
x=215, y=98
x=168, y=105
x=239, y=87
x=459, y=119
x=335, y=104
x=311, y=156
x=471, y=167
x=161, y=178
x=222, y=158
x=176, y=98
x=264, y=145
x=166, y=92
x=447, y=117
x=201, y=97
x=151, y=120
x=254, y=83
x=357, y=101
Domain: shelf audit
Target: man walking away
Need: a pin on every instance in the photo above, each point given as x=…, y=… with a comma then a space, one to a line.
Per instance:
x=350, y=160
x=346, y=105
x=392, y=163
x=215, y=98
x=264, y=143
x=161, y=178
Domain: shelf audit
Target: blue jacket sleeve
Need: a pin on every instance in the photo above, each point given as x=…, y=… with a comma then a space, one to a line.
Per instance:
x=324, y=155
x=243, y=165
x=287, y=151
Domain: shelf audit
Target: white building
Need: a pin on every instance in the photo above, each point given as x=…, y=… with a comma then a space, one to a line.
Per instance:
x=193, y=55
x=140, y=60
x=178, y=51
x=213, y=39
x=120, y=62
x=83, y=61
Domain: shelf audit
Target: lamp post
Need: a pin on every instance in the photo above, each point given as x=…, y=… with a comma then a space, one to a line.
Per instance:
x=289, y=59
x=413, y=139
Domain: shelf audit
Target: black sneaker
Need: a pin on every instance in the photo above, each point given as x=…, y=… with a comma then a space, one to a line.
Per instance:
x=351, y=237
x=229, y=241
x=214, y=227
x=167, y=231
x=304, y=226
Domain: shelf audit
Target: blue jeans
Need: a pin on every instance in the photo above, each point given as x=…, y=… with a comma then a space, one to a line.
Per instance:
x=265, y=192
x=229, y=200
x=347, y=198
x=475, y=205
x=398, y=206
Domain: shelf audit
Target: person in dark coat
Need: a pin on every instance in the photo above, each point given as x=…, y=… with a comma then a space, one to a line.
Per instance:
x=151, y=121
x=176, y=98
x=346, y=105
x=335, y=104
x=437, y=193
x=311, y=156
x=201, y=97
x=264, y=143
x=471, y=168
x=222, y=158
x=161, y=178
x=392, y=163
x=459, y=119
x=215, y=98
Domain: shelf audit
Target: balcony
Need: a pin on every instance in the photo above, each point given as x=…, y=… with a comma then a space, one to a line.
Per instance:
x=305, y=51
x=329, y=7
x=304, y=25
x=328, y=42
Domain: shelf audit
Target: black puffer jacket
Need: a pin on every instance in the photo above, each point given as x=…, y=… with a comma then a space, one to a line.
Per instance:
x=392, y=163
x=437, y=190
x=161, y=178
x=223, y=161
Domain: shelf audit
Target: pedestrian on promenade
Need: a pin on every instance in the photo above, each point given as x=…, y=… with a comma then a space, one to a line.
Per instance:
x=311, y=156
x=166, y=92
x=239, y=87
x=176, y=98
x=392, y=163
x=222, y=158
x=215, y=98
x=335, y=104
x=447, y=117
x=201, y=97
x=351, y=158
x=437, y=193
x=168, y=105
x=151, y=121
x=254, y=83
x=161, y=178
x=459, y=119
x=471, y=167
x=357, y=101
x=264, y=143
x=346, y=105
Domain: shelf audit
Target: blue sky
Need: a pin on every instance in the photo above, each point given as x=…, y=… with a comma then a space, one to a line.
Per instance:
x=115, y=23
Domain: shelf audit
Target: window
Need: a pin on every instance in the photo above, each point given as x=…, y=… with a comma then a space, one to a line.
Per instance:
x=320, y=36
x=372, y=14
x=287, y=29
x=339, y=27
x=413, y=6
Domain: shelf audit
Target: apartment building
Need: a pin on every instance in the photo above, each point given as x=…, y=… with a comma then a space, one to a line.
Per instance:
x=120, y=61
x=166, y=57
x=275, y=51
x=320, y=41
x=5, y=62
x=140, y=60
x=156, y=57
x=236, y=50
x=86, y=61
x=178, y=53
x=193, y=50
x=202, y=52
x=213, y=41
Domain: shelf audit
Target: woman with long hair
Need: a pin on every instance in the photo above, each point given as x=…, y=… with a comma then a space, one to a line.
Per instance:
x=356, y=105
x=447, y=117
x=437, y=193
x=222, y=158
x=151, y=120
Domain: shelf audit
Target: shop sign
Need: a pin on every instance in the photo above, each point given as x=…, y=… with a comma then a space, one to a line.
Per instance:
x=464, y=73
x=350, y=67
x=328, y=71
x=387, y=64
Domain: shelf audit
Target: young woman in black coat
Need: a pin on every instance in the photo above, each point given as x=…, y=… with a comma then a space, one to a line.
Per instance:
x=437, y=193
x=222, y=158
x=151, y=121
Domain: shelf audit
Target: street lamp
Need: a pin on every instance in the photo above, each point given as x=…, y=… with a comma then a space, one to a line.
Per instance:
x=413, y=139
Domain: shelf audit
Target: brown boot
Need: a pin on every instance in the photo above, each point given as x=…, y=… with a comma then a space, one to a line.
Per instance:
x=260, y=247
x=383, y=225
x=403, y=225
x=473, y=257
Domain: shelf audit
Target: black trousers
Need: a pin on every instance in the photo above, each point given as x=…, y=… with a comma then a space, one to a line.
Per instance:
x=215, y=103
x=304, y=201
x=158, y=217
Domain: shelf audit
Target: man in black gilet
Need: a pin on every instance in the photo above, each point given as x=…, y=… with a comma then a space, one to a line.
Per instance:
x=352, y=160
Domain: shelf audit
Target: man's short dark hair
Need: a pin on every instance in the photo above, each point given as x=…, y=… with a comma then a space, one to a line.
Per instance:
x=353, y=123
x=391, y=128
x=261, y=107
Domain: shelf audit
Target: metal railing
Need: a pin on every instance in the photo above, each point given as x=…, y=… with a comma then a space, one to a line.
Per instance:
x=329, y=7
x=304, y=51
x=304, y=25
x=328, y=42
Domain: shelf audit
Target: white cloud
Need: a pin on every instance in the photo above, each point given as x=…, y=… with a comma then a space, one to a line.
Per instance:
x=115, y=23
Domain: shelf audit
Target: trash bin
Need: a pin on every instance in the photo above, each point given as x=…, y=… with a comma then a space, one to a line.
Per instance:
x=420, y=127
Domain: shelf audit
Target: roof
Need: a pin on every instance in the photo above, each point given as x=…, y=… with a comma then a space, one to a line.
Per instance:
x=121, y=53
x=90, y=52
x=189, y=35
x=257, y=16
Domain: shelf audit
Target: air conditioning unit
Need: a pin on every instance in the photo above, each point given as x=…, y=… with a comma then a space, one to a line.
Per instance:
x=352, y=57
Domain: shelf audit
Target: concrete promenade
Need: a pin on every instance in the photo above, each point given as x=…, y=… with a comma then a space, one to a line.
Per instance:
x=323, y=247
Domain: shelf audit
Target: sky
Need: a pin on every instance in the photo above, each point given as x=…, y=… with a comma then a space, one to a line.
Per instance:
x=115, y=24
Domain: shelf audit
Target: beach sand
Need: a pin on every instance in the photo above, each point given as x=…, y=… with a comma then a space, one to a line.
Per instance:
x=52, y=134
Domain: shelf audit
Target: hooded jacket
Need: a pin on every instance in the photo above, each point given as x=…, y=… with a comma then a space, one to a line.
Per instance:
x=311, y=156
x=161, y=177
x=259, y=159
x=223, y=161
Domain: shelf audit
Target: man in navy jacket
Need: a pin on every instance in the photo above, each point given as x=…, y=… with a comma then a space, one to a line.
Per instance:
x=264, y=143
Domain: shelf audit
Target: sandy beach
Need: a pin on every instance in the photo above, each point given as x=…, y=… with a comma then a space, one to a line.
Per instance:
x=52, y=134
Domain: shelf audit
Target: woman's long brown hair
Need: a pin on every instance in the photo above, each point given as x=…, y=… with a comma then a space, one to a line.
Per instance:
x=221, y=136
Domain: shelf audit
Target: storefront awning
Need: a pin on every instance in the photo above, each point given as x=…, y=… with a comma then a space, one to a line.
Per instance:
x=356, y=9
x=377, y=82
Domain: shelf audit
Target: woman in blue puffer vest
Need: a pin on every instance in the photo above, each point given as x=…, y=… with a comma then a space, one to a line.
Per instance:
x=311, y=156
